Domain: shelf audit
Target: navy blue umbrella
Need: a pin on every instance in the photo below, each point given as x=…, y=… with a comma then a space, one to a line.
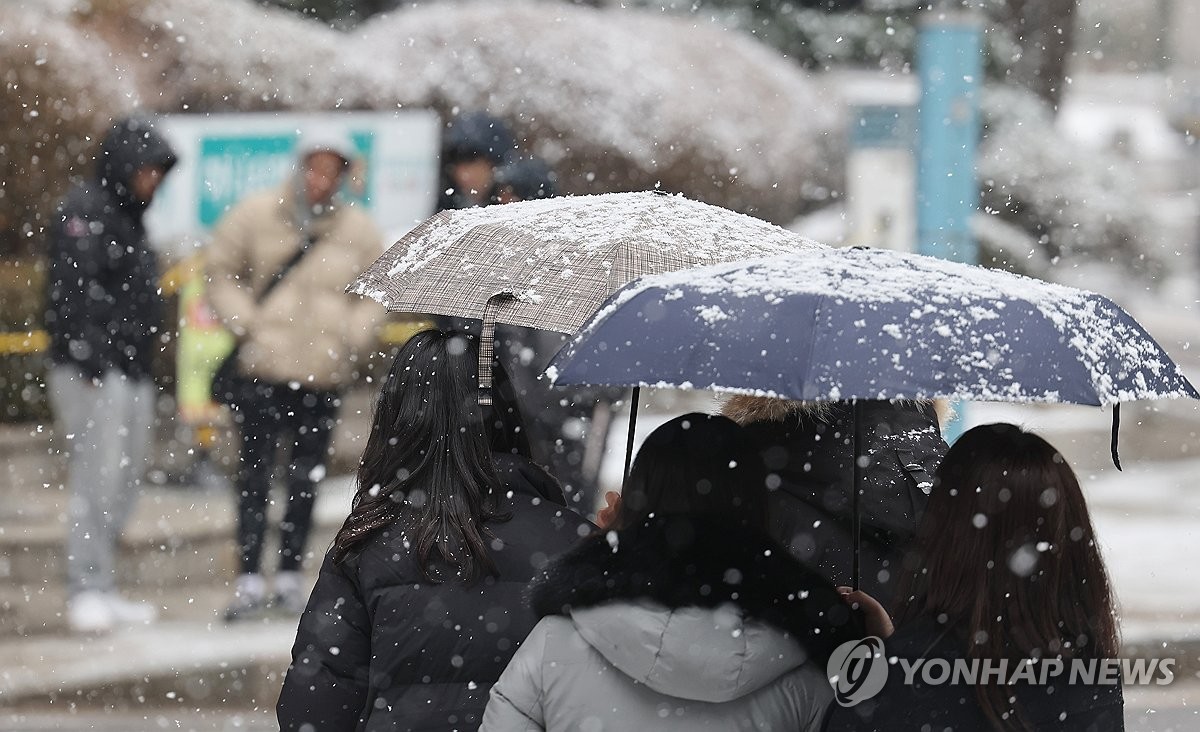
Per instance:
x=858, y=324
x=864, y=323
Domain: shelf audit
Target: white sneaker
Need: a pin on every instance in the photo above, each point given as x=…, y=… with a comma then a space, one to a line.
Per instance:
x=291, y=593
x=129, y=612
x=90, y=612
x=249, y=598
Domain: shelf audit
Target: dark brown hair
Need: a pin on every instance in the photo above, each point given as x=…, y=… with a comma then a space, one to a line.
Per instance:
x=427, y=460
x=1007, y=554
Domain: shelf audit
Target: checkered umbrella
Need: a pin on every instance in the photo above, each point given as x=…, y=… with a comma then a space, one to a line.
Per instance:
x=558, y=258
x=550, y=263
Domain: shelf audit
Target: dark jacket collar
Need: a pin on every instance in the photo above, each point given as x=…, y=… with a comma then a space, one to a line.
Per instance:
x=700, y=561
x=522, y=476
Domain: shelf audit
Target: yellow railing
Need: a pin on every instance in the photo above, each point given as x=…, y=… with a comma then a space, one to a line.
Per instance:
x=34, y=341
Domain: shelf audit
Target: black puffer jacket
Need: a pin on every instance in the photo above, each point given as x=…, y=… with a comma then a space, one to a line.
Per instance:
x=380, y=648
x=811, y=450
x=103, y=308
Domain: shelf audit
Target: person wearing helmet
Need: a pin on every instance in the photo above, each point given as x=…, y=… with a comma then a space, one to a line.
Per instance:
x=474, y=146
x=277, y=266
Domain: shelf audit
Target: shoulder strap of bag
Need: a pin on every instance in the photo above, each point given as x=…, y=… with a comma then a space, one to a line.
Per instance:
x=292, y=261
x=915, y=470
x=920, y=482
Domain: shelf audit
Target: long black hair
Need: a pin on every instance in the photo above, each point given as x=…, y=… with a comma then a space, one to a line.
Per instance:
x=1007, y=553
x=427, y=460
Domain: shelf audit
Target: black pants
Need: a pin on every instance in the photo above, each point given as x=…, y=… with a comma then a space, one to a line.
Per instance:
x=300, y=421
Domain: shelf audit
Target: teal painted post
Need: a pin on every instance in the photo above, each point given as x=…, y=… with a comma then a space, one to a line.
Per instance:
x=950, y=69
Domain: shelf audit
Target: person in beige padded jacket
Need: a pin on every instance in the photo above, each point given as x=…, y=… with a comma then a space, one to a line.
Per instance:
x=299, y=346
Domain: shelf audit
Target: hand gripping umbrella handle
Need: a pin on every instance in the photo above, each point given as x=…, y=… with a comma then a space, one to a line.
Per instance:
x=487, y=344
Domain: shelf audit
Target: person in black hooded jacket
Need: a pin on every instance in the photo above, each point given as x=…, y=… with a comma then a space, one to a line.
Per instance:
x=419, y=604
x=104, y=316
x=808, y=447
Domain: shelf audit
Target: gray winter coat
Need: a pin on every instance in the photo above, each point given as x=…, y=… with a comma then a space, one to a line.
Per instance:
x=640, y=665
x=684, y=623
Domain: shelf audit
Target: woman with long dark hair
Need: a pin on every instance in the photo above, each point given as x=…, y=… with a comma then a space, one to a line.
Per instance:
x=419, y=604
x=1006, y=566
x=685, y=615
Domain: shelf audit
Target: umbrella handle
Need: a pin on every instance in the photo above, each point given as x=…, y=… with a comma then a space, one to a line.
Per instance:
x=487, y=345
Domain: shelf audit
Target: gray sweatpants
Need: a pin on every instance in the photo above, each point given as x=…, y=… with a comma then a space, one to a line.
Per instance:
x=108, y=427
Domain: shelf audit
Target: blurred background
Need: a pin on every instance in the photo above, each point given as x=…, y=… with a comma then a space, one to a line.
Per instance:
x=802, y=113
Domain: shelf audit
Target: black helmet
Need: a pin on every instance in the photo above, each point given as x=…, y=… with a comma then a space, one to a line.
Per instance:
x=477, y=135
x=528, y=178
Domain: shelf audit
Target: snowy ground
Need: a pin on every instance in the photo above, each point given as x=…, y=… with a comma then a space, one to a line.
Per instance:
x=1147, y=518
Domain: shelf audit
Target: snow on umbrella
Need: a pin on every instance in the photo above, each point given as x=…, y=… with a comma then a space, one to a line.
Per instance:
x=844, y=324
x=860, y=324
x=559, y=258
x=550, y=263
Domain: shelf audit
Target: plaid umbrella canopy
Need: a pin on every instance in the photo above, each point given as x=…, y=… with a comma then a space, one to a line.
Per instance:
x=550, y=263
x=559, y=258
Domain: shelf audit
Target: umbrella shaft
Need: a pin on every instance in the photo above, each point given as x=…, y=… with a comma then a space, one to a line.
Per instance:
x=856, y=515
x=633, y=407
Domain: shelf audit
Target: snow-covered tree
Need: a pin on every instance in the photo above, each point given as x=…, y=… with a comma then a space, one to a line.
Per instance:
x=1071, y=204
x=647, y=100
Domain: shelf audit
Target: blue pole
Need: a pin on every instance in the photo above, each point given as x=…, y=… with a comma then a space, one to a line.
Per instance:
x=950, y=69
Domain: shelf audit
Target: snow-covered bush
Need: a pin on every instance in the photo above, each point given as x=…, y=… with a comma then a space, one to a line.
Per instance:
x=1075, y=204
x=59, y=88
x=614, y=100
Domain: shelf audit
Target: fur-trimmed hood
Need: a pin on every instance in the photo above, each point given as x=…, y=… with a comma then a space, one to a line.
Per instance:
x=699, y=561
x=695, y=607
x=810, y=447
x=745, y=409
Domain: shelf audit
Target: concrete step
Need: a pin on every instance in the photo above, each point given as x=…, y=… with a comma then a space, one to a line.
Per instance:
x=29, y=610
x=29, y=465
x=173, y=537
x=188, y=665
x=178, y=553
x=141, y=719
